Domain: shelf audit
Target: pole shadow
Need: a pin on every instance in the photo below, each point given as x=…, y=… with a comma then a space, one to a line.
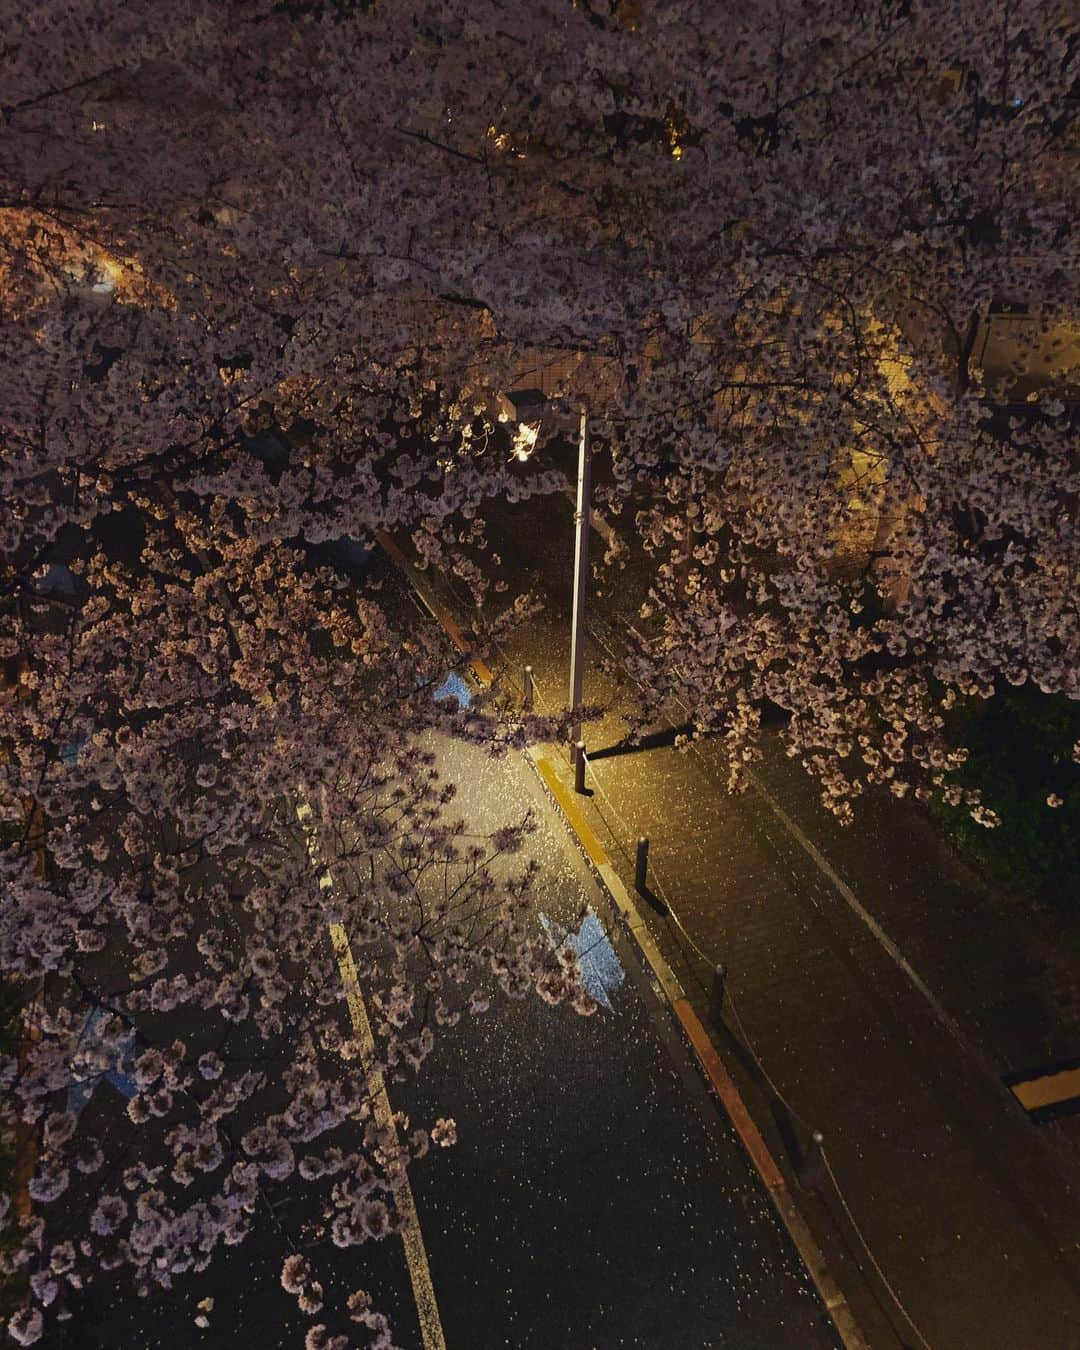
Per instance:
x=787, y=1129
x=651, y=898
x=656, y=740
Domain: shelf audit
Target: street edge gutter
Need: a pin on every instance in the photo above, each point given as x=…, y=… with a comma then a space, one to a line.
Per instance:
x=706, y=1053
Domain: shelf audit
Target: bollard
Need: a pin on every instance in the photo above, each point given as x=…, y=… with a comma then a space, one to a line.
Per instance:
x=530, y=691
x=716, y=995
x=641, y=866
x=810, y=1169
x=579, y=766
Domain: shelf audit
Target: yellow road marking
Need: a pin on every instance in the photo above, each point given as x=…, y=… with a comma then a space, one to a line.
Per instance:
x=427, y=1309
x=589, y=842
x=1048, y=1090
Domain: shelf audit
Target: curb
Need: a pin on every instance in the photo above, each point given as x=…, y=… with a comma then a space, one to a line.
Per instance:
x=708, y=1057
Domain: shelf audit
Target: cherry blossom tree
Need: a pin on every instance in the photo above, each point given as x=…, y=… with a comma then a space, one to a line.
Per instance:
x=173, y=910
x=266, y=267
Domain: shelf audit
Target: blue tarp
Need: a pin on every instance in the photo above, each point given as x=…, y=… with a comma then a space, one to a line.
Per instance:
x=455, y=687
x=601, y=970
x=81, y=1090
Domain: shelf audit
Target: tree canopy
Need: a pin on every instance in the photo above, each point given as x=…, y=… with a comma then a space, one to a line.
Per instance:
x=769, y=238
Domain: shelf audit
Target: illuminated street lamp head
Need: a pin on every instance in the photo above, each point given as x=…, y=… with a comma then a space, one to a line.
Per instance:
x=524, y=409
x=525, y=439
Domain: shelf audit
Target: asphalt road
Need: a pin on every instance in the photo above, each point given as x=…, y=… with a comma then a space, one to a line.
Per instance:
x=596, y=1198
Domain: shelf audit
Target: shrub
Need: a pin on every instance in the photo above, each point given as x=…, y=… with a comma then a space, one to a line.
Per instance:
x=1021, y=746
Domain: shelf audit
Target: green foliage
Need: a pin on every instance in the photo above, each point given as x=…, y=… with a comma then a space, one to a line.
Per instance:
x=1021, y=753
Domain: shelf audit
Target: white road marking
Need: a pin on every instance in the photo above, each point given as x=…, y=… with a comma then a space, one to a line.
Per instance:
x=427, y=1309
x=851, y=900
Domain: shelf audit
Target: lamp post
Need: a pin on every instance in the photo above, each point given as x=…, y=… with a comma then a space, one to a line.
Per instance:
x=581, y=575
x=526, y=407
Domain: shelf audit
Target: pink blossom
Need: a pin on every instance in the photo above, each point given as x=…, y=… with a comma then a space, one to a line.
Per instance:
x=444, y=1133
x=295, y=1274
x=210, y=1066
x=837, y=523
x=26, y=1326
x=109, y=1214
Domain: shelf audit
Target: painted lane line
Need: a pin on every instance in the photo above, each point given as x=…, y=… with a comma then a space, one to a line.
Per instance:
x=1048, y=1089
x=427, y=1308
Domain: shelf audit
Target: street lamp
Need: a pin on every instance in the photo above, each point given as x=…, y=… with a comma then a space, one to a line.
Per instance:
x=582, y=510
x=526, y=408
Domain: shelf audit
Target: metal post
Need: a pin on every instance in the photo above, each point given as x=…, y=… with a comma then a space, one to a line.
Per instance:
x=716, y=994
x=581, y=575
x=641, y=866
x=810, y=1171
x=530, y=692
x=579, y=766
